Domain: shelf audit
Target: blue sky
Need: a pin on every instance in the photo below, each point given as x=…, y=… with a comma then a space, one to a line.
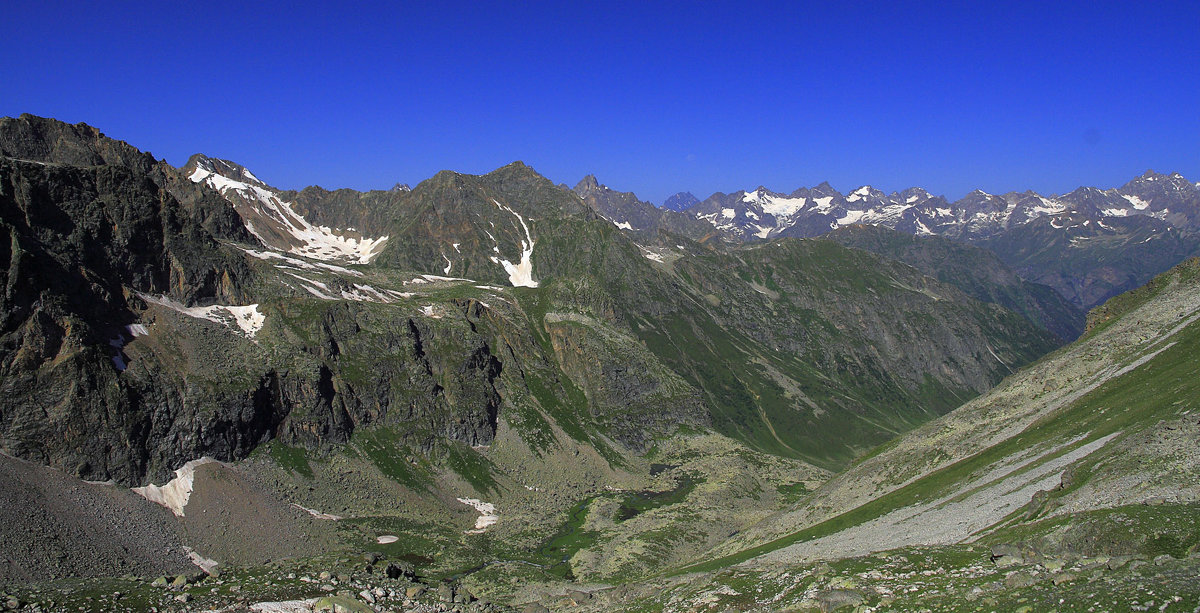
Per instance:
x=651, y=97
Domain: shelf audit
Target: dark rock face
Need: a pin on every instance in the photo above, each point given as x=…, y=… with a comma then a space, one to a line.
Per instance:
x=80, y=241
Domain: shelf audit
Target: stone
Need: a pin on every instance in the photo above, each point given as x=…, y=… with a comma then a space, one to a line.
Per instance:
x=179, y=581
x=1053, y=566
x=159, y=582
x=1163, y=559
x=1005, y=561
x=535, y=607
x=833, y=600
x=185, y=597
x=414, y=591
x=842, y=583
x=1019, y=579
x=999, y=551
x=445, y=592
x=1062, y=578
x=367, y=596
x=397, y=570
x=1118, y=561
x=325, y=575
x=11, y=603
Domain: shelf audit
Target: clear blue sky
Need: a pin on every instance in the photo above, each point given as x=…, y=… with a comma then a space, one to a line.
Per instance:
x=651, y=97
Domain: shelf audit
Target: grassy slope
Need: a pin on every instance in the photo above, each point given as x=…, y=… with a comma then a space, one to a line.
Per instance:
x=1164, y=387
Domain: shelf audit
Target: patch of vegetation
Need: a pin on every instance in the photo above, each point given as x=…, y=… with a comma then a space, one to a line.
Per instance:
x=294, y=459
x=472, y=466
x=384, y=448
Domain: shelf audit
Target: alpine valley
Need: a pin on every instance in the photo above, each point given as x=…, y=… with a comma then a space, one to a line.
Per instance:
x=494, y=392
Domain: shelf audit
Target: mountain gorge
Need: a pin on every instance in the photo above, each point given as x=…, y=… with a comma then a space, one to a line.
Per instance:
x=496, y=384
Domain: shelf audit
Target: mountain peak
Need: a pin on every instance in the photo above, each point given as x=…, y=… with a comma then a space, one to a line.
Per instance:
x=43, y=139
x=226, y=168
x=681, y=201
x=587, y=183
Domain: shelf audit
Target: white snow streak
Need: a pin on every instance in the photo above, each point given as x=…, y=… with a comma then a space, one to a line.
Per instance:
x=487, y=514
x=317, y=242
x=175, y=494
x=520, y=275
x=246, y=318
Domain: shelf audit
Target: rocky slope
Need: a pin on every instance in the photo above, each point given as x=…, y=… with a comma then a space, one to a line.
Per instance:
x=976, y=271
x=641, y=218
x=1071, y=486
x=1075, y=432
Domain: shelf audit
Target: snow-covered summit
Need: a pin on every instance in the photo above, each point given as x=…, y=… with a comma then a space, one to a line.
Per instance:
x=274, y=221
x=762, y=214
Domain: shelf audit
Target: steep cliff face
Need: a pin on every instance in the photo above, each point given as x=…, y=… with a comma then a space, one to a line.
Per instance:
x=81, y=243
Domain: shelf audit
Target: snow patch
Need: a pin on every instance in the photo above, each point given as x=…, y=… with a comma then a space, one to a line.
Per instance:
x=270, y=255
x=317, y=514
x=487, y=514
x=136, y=330
x=728, y=213
x=851, y=217
x=822, y=204
x=175, y=493
x=449, y=264
x=285, y=606
x=520, y=275
x=317, y=242
x=624, y=225
x=246, y=318
x=1114, y=212
x=1137, y=203
x=387, y=539
x=208, y=565
x=859, y=194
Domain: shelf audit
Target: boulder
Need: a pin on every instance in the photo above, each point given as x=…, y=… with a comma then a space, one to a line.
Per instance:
x=833, y=600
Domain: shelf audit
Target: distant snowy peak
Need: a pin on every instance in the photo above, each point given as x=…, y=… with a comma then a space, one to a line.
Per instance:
x=274, y=221
x=761, y=213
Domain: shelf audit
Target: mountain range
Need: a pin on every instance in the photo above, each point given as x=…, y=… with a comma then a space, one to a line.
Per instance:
x=1101, y=238
x=492, y=385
